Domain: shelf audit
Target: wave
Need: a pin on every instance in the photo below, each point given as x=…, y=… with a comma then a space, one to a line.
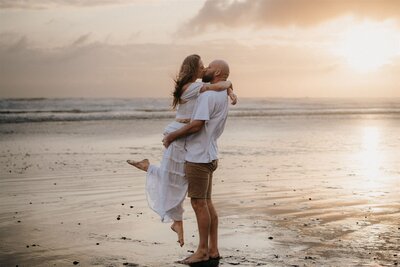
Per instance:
x=25, y=99
x=78, y=115
x=313, y=112
x=49, y=111
x=82, y=109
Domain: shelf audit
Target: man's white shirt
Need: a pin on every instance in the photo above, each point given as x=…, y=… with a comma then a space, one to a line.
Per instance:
x=211, y=107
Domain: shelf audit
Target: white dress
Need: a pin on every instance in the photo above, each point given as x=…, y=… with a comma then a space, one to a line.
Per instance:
x=166, y=185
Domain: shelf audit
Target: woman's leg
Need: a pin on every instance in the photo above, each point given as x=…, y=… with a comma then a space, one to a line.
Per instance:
x=177, y=227
x=176, y=214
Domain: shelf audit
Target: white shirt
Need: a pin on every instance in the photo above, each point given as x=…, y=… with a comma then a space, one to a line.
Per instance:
x=189, y=97
x=211, y=107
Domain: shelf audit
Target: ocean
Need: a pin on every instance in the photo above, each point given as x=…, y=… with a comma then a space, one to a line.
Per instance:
x=88, y=109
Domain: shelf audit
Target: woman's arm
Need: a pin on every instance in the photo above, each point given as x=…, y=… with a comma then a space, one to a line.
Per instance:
x=219, y=86
x=232, y=96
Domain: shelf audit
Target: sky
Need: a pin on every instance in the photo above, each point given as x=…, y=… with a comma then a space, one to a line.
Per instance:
x=133, y=48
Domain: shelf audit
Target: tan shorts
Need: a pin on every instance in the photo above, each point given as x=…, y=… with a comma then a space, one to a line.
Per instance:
x=199, y=177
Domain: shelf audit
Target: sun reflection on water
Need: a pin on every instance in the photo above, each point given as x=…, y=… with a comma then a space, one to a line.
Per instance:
x=370, y=156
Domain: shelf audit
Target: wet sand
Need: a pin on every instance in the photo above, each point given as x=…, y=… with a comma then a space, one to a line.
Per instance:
x=295, y=191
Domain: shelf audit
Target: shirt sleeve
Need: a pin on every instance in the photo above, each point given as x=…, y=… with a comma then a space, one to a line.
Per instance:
x=192, y=92
x=201, y=110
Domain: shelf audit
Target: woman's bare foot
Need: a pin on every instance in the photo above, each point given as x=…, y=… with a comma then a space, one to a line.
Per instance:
x=177, y=227
x=141, y=165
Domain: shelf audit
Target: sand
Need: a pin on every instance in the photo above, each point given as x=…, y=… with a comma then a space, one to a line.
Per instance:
x=295, y=191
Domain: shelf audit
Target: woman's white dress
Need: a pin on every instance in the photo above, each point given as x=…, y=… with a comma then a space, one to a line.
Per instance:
x=166, y=185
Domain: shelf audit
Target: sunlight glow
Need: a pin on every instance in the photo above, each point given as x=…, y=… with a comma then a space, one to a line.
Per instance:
x=368, y=46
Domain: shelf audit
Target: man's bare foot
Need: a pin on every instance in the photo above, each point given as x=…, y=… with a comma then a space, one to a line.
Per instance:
x=198, y=256
x=141, y=165
x=214, y=254
x=177, y=227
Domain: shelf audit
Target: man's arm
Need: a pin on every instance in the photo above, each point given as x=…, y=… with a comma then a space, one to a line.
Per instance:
x=192, y=127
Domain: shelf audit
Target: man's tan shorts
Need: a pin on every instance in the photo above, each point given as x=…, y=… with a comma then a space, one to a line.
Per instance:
x=199, y=177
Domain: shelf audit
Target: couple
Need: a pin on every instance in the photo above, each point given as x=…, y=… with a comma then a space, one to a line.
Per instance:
x=190, y=157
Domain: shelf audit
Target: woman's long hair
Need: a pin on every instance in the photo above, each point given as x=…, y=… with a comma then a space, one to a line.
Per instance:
x=188, y=71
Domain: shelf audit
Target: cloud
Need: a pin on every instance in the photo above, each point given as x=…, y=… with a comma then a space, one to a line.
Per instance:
x=96, y=69
x=260, y=13
x=86, y=69
x=81, y=39
x=46, y=4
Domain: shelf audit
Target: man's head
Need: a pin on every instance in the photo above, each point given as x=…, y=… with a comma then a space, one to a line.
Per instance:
x=217, y=70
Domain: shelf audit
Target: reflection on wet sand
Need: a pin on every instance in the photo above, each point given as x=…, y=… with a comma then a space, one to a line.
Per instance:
x=289, y=191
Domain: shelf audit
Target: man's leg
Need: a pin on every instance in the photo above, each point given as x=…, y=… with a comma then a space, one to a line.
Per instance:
x=198, y=175
x=203, y=223
x=213, y=238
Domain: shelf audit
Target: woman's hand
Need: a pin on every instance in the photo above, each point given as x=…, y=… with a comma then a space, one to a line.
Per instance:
x=233, y=98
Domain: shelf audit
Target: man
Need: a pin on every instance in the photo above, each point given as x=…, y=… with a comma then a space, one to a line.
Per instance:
x=207, y=124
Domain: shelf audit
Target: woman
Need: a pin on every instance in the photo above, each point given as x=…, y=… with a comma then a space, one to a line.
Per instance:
x=166, y=185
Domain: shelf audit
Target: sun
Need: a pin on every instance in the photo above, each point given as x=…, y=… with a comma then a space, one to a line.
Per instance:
x=368, y=46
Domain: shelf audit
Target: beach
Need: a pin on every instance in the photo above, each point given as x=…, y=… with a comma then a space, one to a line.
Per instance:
x=293, y=189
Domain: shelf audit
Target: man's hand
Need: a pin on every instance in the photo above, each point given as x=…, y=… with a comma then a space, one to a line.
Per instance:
x=192, y=127
x=167, y=140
